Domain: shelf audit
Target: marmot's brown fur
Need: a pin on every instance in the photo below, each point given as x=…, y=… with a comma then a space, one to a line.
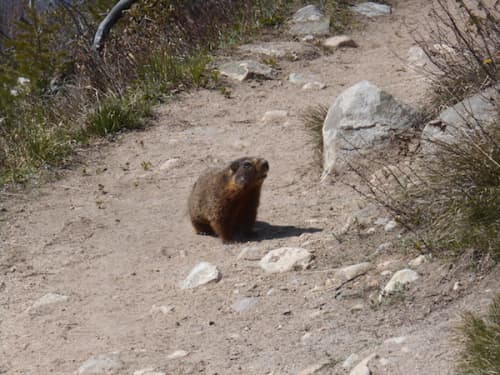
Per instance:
x=224, y=201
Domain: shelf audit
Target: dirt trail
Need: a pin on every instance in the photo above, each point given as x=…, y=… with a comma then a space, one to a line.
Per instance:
x=116, y=240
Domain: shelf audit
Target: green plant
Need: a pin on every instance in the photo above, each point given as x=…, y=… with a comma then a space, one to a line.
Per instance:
x=114, y=114
x=481, y=342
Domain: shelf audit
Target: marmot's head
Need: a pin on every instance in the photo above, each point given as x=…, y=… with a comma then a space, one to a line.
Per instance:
x=248, y=171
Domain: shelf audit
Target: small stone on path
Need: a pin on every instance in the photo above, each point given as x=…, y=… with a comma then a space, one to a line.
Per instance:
x=314, y=369
x=350, y=361
x=244, y=304
x=285, y=259
x=178, y=354
x=421, y=259
x=370, y=9
x=339, y=41
x=309, y=20
x=390, y=226
x=201, y=274
x=169, y=164
x=362, y=367
x=399, y=279
x=355, y=270
x=100, y=364
x=49, y=299
x=246, y=69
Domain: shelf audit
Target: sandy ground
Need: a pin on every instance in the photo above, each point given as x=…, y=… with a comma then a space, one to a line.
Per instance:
x=116, y=239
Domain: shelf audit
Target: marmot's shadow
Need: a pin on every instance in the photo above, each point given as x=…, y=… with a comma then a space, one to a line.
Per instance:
x=266, y=231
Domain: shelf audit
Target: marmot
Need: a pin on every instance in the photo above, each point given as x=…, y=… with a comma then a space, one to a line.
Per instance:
x=224, y=201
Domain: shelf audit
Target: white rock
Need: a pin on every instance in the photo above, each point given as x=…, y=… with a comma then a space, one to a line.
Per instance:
x=399, y=279
x=148, y=371
x=361, y=118
x=396, y=340
x=417, y=57
x=244, y=304
x=454, y=122
x=457, y=286
x=314, y=86
x=274, y=117
x=350, y=361
x=355, y=270
x=370, y=9
x=285, y=259
x=177, y=354
x=339, y=41
x=201, y=274
x=421, y=259
x=390, y=226
x=100, y=364
x=386, y=273
x=384, y=362
x=246, y=69
x=357, y=307
x=48, y=299
x=308, y=82
x=169, y=164
x=362, y=367
x=162, y=309
x=309, y=20
x=371, y=230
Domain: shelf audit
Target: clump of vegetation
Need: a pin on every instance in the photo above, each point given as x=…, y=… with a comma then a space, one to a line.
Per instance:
x=56, y=92
x=313, y=119
x=462, y=43
x=481, y=342
x=450, y=199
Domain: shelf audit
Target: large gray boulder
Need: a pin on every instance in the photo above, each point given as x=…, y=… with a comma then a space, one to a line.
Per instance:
x=361, y=118
x=463, y=118
x=309, y=20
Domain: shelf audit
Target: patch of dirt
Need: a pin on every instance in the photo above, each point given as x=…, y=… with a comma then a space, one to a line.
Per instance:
x=116, y=239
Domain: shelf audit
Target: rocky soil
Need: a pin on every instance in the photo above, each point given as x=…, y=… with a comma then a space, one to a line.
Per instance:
x=93, y=266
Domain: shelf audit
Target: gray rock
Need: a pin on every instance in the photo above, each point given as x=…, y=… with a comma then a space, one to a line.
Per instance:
x=396, y=340
x=177, y=354
x=361, y=118
x=350, y=272
x=417, y=58
x=101, y=364
x=350, y=361
x=48, y=299
x=246, y=69
x=284, y=259
x=339, y=41
x=370, y=9
x=390, y=226
x=309, y=20
x=169, y=164
x=400, y=278
x=307, y=82
x=362, y=367
x=244, y=304
x=292, y=50
x=453, y=122
x=418, y=261
x=201, y=274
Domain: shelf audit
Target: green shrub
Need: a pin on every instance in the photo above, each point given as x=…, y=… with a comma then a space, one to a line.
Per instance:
x=481, y=342
x=114, y=114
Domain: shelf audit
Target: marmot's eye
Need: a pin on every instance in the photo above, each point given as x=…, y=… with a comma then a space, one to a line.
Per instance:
x=247, y=165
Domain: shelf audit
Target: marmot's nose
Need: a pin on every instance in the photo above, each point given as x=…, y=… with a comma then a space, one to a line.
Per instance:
x=265, y=166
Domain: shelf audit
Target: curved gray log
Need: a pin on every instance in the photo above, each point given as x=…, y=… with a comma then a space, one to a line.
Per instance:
x=108, y=22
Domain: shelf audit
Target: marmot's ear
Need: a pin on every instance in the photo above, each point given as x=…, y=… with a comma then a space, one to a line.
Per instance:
x=234, y=166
